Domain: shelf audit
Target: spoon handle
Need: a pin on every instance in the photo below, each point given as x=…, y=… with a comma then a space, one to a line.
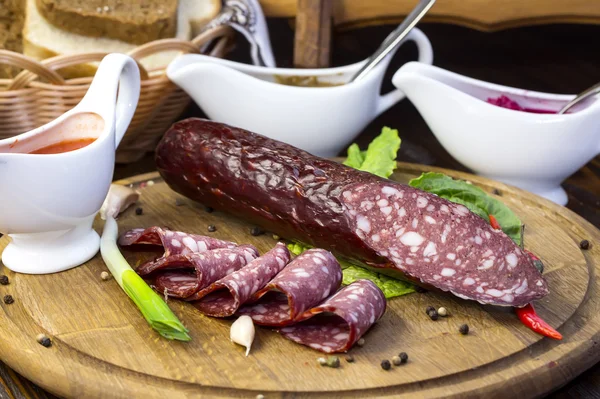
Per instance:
x=580, y=97
x=395, y=38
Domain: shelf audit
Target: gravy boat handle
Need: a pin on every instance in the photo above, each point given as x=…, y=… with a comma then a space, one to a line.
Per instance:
x=425, y=56
x=116, y=71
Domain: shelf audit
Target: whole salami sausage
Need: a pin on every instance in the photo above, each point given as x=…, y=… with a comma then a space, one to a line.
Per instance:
x=224, y=297
x=381, y=223
x=198, y=270
x=305, y=282
x=340, y=321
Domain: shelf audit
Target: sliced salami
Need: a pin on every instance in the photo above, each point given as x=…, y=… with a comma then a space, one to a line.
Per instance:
x=206, y=267
x=442, y=243
x=304, y=283
x=224, y=297
x=340, y=321
x=173, y=242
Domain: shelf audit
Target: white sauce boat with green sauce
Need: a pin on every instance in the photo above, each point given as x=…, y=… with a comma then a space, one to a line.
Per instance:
x=49, y=200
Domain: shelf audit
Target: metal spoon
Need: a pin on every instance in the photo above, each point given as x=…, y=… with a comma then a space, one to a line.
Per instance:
x=394, y=38
x=580, y=97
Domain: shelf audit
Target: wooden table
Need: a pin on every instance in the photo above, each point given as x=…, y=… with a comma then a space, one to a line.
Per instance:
x=546, y=58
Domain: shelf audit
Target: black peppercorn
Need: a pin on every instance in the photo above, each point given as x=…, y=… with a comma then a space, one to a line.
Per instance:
x=403, y=357
x=584, y=244
x=433, y=314
x=496, y=192
x=350, y=358
x=420, y=289
x=463, y=329
x=256, y=231
x=139, y=211
x=386, y=365
x=8, y=299
x=429, y=309
x=43, y=340
x=212, y=228
x=4, y=280
x=209, y=209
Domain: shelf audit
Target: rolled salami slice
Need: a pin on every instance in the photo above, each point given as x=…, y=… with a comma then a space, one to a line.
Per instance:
x=340, y=321
x=173, y=242
x=305, y=282
x=224, y=297
x=206, y=268
x=379, y=222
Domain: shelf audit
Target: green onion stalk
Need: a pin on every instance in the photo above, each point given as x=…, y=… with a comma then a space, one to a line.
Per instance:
x=153, y=307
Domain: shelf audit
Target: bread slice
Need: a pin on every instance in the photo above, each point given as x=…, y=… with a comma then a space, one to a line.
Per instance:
x=131, y=21
x=43, y=40
x=12, y=17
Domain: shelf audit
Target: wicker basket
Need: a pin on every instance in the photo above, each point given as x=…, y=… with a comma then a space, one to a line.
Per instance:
x=39, y=94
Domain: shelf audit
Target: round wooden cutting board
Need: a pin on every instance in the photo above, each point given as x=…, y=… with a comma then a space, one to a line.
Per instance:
x=102, y=347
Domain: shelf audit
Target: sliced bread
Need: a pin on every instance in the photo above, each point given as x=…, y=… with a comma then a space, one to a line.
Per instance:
x=131, y=21
x=42, y=39
x=12, y=17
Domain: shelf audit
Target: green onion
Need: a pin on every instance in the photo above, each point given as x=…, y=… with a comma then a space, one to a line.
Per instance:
x=153, y=308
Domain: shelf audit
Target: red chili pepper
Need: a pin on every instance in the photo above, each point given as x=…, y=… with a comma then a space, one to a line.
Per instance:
x=494, y=223
x=528, y=317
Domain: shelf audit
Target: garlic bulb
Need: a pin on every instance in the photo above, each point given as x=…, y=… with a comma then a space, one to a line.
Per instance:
x=242, y=332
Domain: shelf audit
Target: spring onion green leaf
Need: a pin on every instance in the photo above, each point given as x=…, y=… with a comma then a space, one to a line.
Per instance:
x=153, y=307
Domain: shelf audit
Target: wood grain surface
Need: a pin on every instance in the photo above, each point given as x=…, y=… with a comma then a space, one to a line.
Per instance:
x=103, y=347
x=312, y=41
x=484, y=15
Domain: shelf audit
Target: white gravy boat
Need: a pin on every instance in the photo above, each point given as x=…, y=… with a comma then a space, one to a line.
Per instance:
x=48, y=201
x=533, y=151
x=321, y=120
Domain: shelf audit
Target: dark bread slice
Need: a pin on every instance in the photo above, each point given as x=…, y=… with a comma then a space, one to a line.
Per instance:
x=12, y=18
x=132, y=21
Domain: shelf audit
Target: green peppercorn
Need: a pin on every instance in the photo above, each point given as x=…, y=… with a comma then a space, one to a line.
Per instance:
x=276, y=237
x=385, y=364
x=333, y=361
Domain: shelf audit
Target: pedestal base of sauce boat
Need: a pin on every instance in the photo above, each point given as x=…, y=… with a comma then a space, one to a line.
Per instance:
x=552, y=192
x=51, y=252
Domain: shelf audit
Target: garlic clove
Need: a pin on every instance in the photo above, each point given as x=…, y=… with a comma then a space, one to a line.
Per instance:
x=242, y=332
x=117, y=200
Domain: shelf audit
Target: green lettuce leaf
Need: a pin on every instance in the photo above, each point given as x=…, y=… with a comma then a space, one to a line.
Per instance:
x=380, y=156
x=390, y=287
x=356, y=157
x=473, y=197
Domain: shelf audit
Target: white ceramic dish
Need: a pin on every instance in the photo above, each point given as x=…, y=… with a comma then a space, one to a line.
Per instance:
x=321, y=120
x=536, y=152
x=49, y=200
